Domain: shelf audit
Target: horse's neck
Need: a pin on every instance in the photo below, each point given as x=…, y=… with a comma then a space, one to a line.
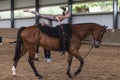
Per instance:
x=87, y=33
x=90, y=32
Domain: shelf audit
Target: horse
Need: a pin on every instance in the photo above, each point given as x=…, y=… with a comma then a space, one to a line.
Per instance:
x=28, y=38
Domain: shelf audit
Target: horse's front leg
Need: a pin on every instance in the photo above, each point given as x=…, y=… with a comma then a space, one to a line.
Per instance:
x=78, y=57
x=31, y=62
x=70, y=57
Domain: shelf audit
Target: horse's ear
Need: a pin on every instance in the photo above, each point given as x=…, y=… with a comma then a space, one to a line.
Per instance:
x=105, y=27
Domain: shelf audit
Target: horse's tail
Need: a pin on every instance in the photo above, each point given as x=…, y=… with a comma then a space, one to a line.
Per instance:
x=18, y=44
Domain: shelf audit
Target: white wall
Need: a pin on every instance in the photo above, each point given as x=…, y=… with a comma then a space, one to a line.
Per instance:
x=5, y=24
x=24, y=22
x=103, y=19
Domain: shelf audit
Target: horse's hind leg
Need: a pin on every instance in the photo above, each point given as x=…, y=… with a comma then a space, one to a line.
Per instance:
x=31, y=62
x=70, y=57
x=23, y=51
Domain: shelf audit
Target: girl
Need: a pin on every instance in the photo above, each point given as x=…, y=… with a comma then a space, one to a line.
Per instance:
x=51, y=18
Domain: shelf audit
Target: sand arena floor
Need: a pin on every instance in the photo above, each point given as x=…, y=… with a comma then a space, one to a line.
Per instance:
x=102, y=64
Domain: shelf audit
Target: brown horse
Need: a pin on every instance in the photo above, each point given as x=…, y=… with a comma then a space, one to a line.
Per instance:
x=30, y=37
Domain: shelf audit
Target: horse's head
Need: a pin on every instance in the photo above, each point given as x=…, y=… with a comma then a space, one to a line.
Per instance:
x=98, y=35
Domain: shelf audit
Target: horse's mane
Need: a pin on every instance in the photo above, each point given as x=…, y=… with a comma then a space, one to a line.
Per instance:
x=92, y=25
x=84, y=23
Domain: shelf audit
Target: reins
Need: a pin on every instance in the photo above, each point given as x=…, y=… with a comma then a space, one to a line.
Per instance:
x=88, y=52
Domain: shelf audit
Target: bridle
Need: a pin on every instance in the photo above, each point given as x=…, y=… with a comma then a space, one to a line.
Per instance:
x=99, y=37
x=93, y=41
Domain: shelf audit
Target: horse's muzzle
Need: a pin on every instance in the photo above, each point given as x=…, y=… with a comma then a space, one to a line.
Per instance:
x=96, y=44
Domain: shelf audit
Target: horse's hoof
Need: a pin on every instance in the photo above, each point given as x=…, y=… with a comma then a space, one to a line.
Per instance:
x=76, y=73
x=36, y=59
x=69, y=75
x=14, y=75
x=40, y=77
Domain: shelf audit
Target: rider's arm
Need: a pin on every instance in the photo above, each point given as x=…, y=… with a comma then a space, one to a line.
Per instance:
x=59, y=19
x=67, y=15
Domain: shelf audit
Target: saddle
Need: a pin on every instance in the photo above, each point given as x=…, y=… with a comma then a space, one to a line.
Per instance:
x=62, y=32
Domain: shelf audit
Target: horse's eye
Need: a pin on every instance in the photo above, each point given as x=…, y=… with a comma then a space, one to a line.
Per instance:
x=101, y=32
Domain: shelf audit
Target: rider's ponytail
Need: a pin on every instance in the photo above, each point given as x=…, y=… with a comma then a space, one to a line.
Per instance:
x=63, y=13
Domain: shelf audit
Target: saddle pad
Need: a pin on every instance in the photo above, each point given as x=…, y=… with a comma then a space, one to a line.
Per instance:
x=55, y=31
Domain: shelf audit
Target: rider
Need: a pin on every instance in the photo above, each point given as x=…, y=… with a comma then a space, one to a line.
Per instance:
x=57, y=18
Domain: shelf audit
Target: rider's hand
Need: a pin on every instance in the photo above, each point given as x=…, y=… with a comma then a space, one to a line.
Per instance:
x=60, y=23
